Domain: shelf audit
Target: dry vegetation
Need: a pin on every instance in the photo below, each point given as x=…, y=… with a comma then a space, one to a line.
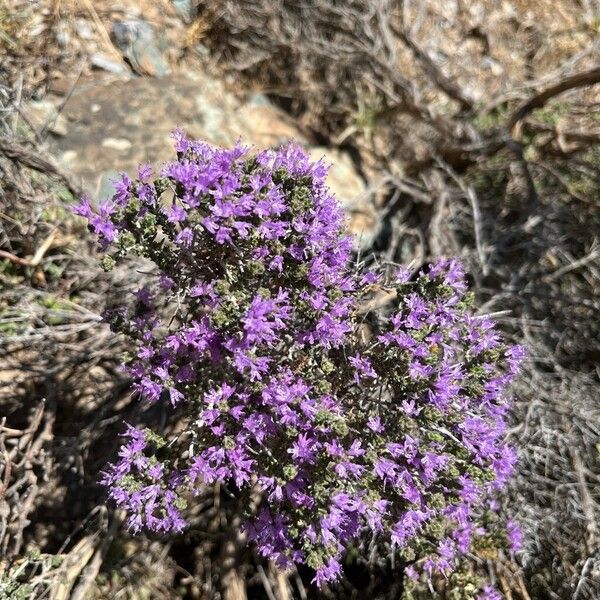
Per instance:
x=478, y=124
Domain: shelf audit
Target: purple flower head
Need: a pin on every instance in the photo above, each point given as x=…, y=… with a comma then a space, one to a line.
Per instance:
x=514, y=536
x=328, y=572
x=489, y=593
x=254, y=334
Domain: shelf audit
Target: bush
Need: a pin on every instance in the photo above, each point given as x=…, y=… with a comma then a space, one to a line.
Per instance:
x=328, y=420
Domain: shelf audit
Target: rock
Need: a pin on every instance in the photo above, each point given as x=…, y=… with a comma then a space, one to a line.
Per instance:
x=343, y=179
x=106, y=185
x=61, y=34
x=43, y=114
x=186, y=9
x=136, y=40
x=115, y=126
x=258, y=100
x=118, y=125
x=84, y=29
x=126, y=33
x=101, y=61
x=266, y=125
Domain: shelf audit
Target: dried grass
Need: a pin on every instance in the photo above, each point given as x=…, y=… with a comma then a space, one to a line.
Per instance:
x=424, y=95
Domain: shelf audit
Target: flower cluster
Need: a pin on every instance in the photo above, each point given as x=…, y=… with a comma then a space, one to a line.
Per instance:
x=343, y=421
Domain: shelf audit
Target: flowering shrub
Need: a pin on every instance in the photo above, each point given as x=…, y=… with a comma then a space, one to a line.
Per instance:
x=343, y=422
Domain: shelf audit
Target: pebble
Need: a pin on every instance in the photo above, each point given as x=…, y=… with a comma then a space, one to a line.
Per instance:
x=61, y=33
x=68, y=157
x=120, y=144
x=84, y=30
x=101, y=61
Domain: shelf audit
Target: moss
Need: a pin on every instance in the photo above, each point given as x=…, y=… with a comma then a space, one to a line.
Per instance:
x=552, y=113
x=53, y=303
x=10, y=270
x=495, y=118
x=9, y=328
x=55, y=213
x=54, y=271
x=367, y=115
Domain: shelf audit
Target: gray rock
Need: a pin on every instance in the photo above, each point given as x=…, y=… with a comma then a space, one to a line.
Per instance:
x=258, y=100
x=105, y=186
x=126, y=33
x=186, y=9
x=135, y=38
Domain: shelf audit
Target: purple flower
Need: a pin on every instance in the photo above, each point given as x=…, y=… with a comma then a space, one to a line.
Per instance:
x=349, y=424
x=185, y=237
x=374, y=424
x=84, y=209
x=304, y=449
x=489, y=593
x=328, y=572
x=362, y=368
x=176, y=214
x=514, y=536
